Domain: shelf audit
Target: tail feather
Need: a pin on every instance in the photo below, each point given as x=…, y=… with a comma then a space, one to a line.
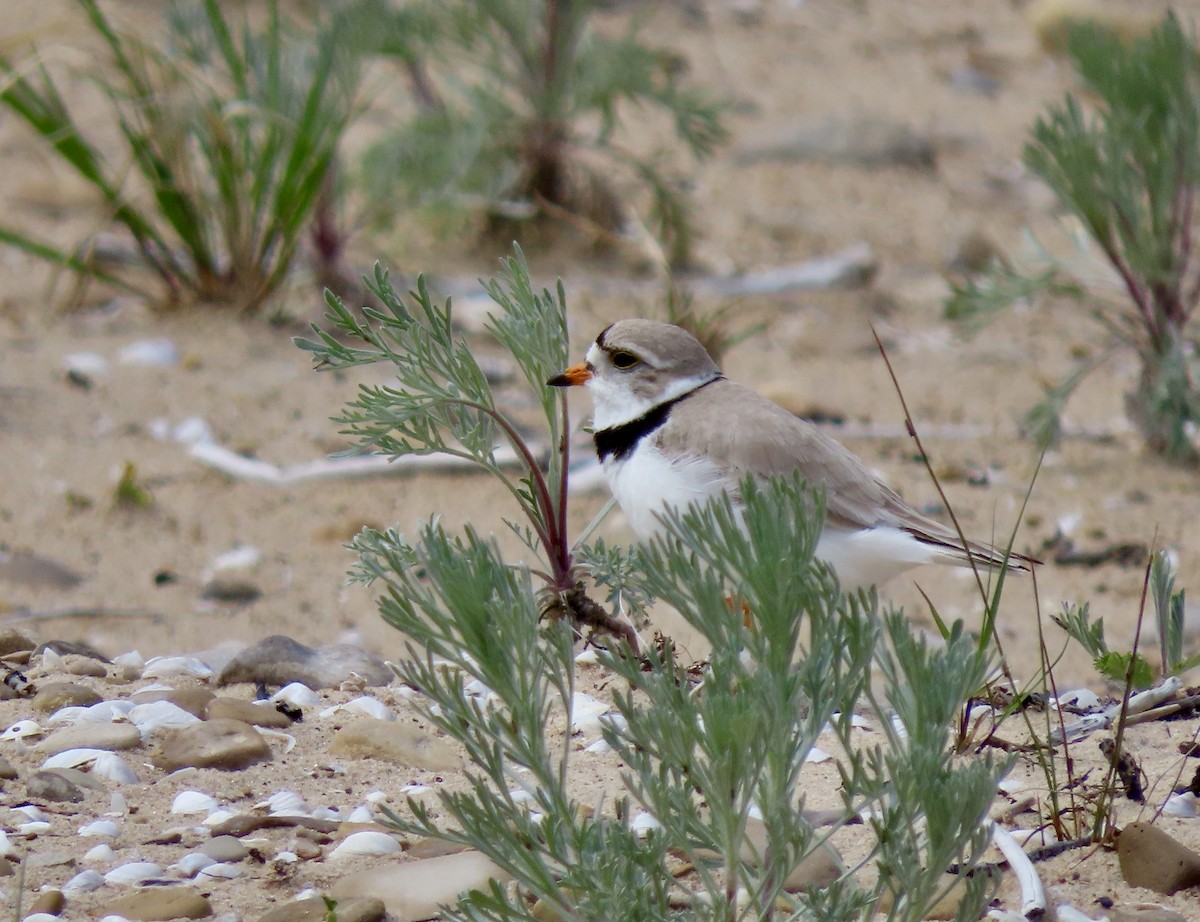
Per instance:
x=985, y=555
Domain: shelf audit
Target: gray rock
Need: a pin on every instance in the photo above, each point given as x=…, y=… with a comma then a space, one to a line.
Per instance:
x=13, y=641
x=70, y=648
x=278, y=660
x=1139, y=914
x=91, y=736
x=193, y=700
x=230, y=591
x=225, y=848
x=1151, y=858
x=51, y=902
x=247, y=711
x=7, y=771
x=84, y=666
x=53, y=787
x=55, y=695
x=414, y=890
x=224, y=744
x=313, y=910
x=389, y=741
x=81, y=779
x=154, y=904
x=867, y=142
x=25, y=568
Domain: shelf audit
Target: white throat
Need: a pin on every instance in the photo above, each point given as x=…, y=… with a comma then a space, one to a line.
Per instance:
x=615, y=402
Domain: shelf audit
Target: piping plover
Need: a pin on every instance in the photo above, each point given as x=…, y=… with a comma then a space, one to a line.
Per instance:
x=671, y=430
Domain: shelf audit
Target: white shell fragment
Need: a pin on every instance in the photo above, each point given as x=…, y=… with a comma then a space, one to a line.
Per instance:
x=99, y=854
x=222, y=870
x=112, y=767
x=100, y=762
x=586, y=712
x=371, y=707
x=366, y=843
x=105, y=829
x=33, y=829
x=135, y=872
x=1181, y=805
x=158, y=352
x=643, y=823
x=164, y=667
x=160, y=715
x=193, y=863
x=817, y=755
x=83, y=882
x=190, y=803
x=1083, y=698
x=361, y=814
x=6, y=847
x=30, y=812
x=132, y=658
x=22, y=729
x=102, y=712
x=298, y=695
x=284, y=803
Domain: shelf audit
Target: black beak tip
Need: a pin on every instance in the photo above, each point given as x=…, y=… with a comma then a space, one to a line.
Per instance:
x=559, y=381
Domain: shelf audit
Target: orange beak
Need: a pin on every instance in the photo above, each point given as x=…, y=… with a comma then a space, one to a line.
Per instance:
x=576, y=374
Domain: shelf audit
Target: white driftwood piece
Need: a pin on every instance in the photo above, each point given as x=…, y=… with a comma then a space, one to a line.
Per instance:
x=253, y=470
x=1033, y=897
x=1142, y=701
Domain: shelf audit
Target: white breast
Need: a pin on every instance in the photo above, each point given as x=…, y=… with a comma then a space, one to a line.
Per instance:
x=646, y=483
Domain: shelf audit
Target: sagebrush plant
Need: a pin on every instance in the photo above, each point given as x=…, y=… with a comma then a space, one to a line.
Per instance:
x=443, y=404
x=718, y=761
x=521, y=105
x=229, y=133
x=1125, y=162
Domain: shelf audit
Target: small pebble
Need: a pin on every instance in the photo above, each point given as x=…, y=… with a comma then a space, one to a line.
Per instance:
x=224, y=848
x=55, y=695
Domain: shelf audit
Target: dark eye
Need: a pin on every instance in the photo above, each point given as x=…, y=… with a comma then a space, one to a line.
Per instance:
x=624, y=359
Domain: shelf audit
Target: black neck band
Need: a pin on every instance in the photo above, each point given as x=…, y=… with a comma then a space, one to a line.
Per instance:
x=617, y=442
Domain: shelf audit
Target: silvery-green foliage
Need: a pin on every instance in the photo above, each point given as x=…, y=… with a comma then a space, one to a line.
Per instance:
x=791, y=655
x=716, y=756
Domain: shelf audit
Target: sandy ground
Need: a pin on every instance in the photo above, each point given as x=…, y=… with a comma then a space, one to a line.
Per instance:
x=787, y=66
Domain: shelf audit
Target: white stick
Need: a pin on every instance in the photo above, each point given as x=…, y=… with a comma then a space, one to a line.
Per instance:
x=253, y=470
x=1033, y=897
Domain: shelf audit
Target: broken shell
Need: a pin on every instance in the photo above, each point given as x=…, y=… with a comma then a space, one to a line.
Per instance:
x=222, y=870
x=112, y=767
x=284, y=803
x=163, y=667
x=586, y=712
x=298, y=695
x=193, y=863
x=366, y=843
x=193, y=802
x=133, y=873
x=160, y=715
x=100, y=854
x=21, y=730
x=104, y=828
x=371, y=707
x=83, y=882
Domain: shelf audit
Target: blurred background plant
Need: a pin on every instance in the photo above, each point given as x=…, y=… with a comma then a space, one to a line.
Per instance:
x=519, y=107
x=228, y=136
x=1125, y=162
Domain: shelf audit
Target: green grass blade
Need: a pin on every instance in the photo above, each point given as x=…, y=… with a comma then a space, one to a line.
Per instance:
x=52, y=254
